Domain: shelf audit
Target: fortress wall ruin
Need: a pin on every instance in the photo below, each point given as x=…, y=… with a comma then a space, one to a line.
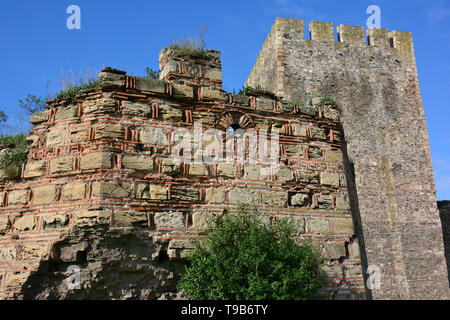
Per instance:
x=102, y=190
x=393, y=196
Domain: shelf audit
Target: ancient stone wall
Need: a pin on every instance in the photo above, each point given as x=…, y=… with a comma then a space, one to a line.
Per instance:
x=392, y=191
x=102, y=189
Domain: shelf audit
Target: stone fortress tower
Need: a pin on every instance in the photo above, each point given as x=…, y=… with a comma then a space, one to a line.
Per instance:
x=102, y=193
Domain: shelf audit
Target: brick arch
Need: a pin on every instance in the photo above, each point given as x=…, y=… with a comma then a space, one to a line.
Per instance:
x=229, y=118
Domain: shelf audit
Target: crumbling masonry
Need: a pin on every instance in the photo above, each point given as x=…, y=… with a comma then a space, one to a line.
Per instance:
x=102, y=192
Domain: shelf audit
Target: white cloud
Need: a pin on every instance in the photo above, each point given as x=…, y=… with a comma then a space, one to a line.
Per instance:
x=289, y=9
x=438, y=12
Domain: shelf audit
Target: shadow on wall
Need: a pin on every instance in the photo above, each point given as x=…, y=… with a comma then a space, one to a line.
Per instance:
x=354, y=207
x=110, y=266
x=444, y=213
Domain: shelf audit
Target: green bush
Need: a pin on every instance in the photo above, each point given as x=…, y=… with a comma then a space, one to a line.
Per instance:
x=12, y=161
x=152, y=74
x=71, y=92
x=193, y=47
x=19, y=145
x=242, y=259
x=246, y=90
x=328, y=100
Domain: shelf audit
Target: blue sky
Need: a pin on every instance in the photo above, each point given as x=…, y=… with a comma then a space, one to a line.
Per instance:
x=37, y=48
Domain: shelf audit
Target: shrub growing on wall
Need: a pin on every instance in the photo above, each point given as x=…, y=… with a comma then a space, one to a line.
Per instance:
x=246, y=260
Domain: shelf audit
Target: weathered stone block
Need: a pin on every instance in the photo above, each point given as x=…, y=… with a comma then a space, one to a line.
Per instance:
x=92, y=218
x=151, y=191
x=182, y=91
x=98, y=160
x=286, y=106
x=319, y=225
x=342, y=203
x=137, y=162
x=294, y=150
x=321, y=31
x=111, y=189
x=334, y=250
x=55, y=137
x=170, y=220
x=298, y=223
x=351, y=34
x=73, y=191
x=285, y=175
x=168, y=113
x=226, y=170
x=181, y=193
x=334, y=155
x=17, y=197
x=344, y=226
x=5, y=225
x=213, y=94
x=306, y=109
x=142, y=191
x=45, y=194
x=136, y=108
x=253, y=172
x=152, y=85
x=158, y=192
x=200, y=169
x=79, y=135
x=298, y=130
x=264, y=104
x=200, y=220
x=34, y=251
x=355, y=250
x=130, y=218
x=55, y=221
x=274, y=198
x=330, y=113
x=109, y=131
x=205, y=117
x=179, y=249
x=153, y=135
x=39, y=117
x=318, y=133
x=170, y=66
x=300, y=200
x=169, y=167
x=308, y=177
x=104, y=105
x=315, y=153
x=15, y=281
x=66, y=112
x=213, y=73
x=262, y=124
x=241, y=99
x=324, y=201
x=329, y=179
x=8, y=254
x=109, y=80
x=25, y=223
x=61, y=165
x=215, y=195
x=243, y=196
